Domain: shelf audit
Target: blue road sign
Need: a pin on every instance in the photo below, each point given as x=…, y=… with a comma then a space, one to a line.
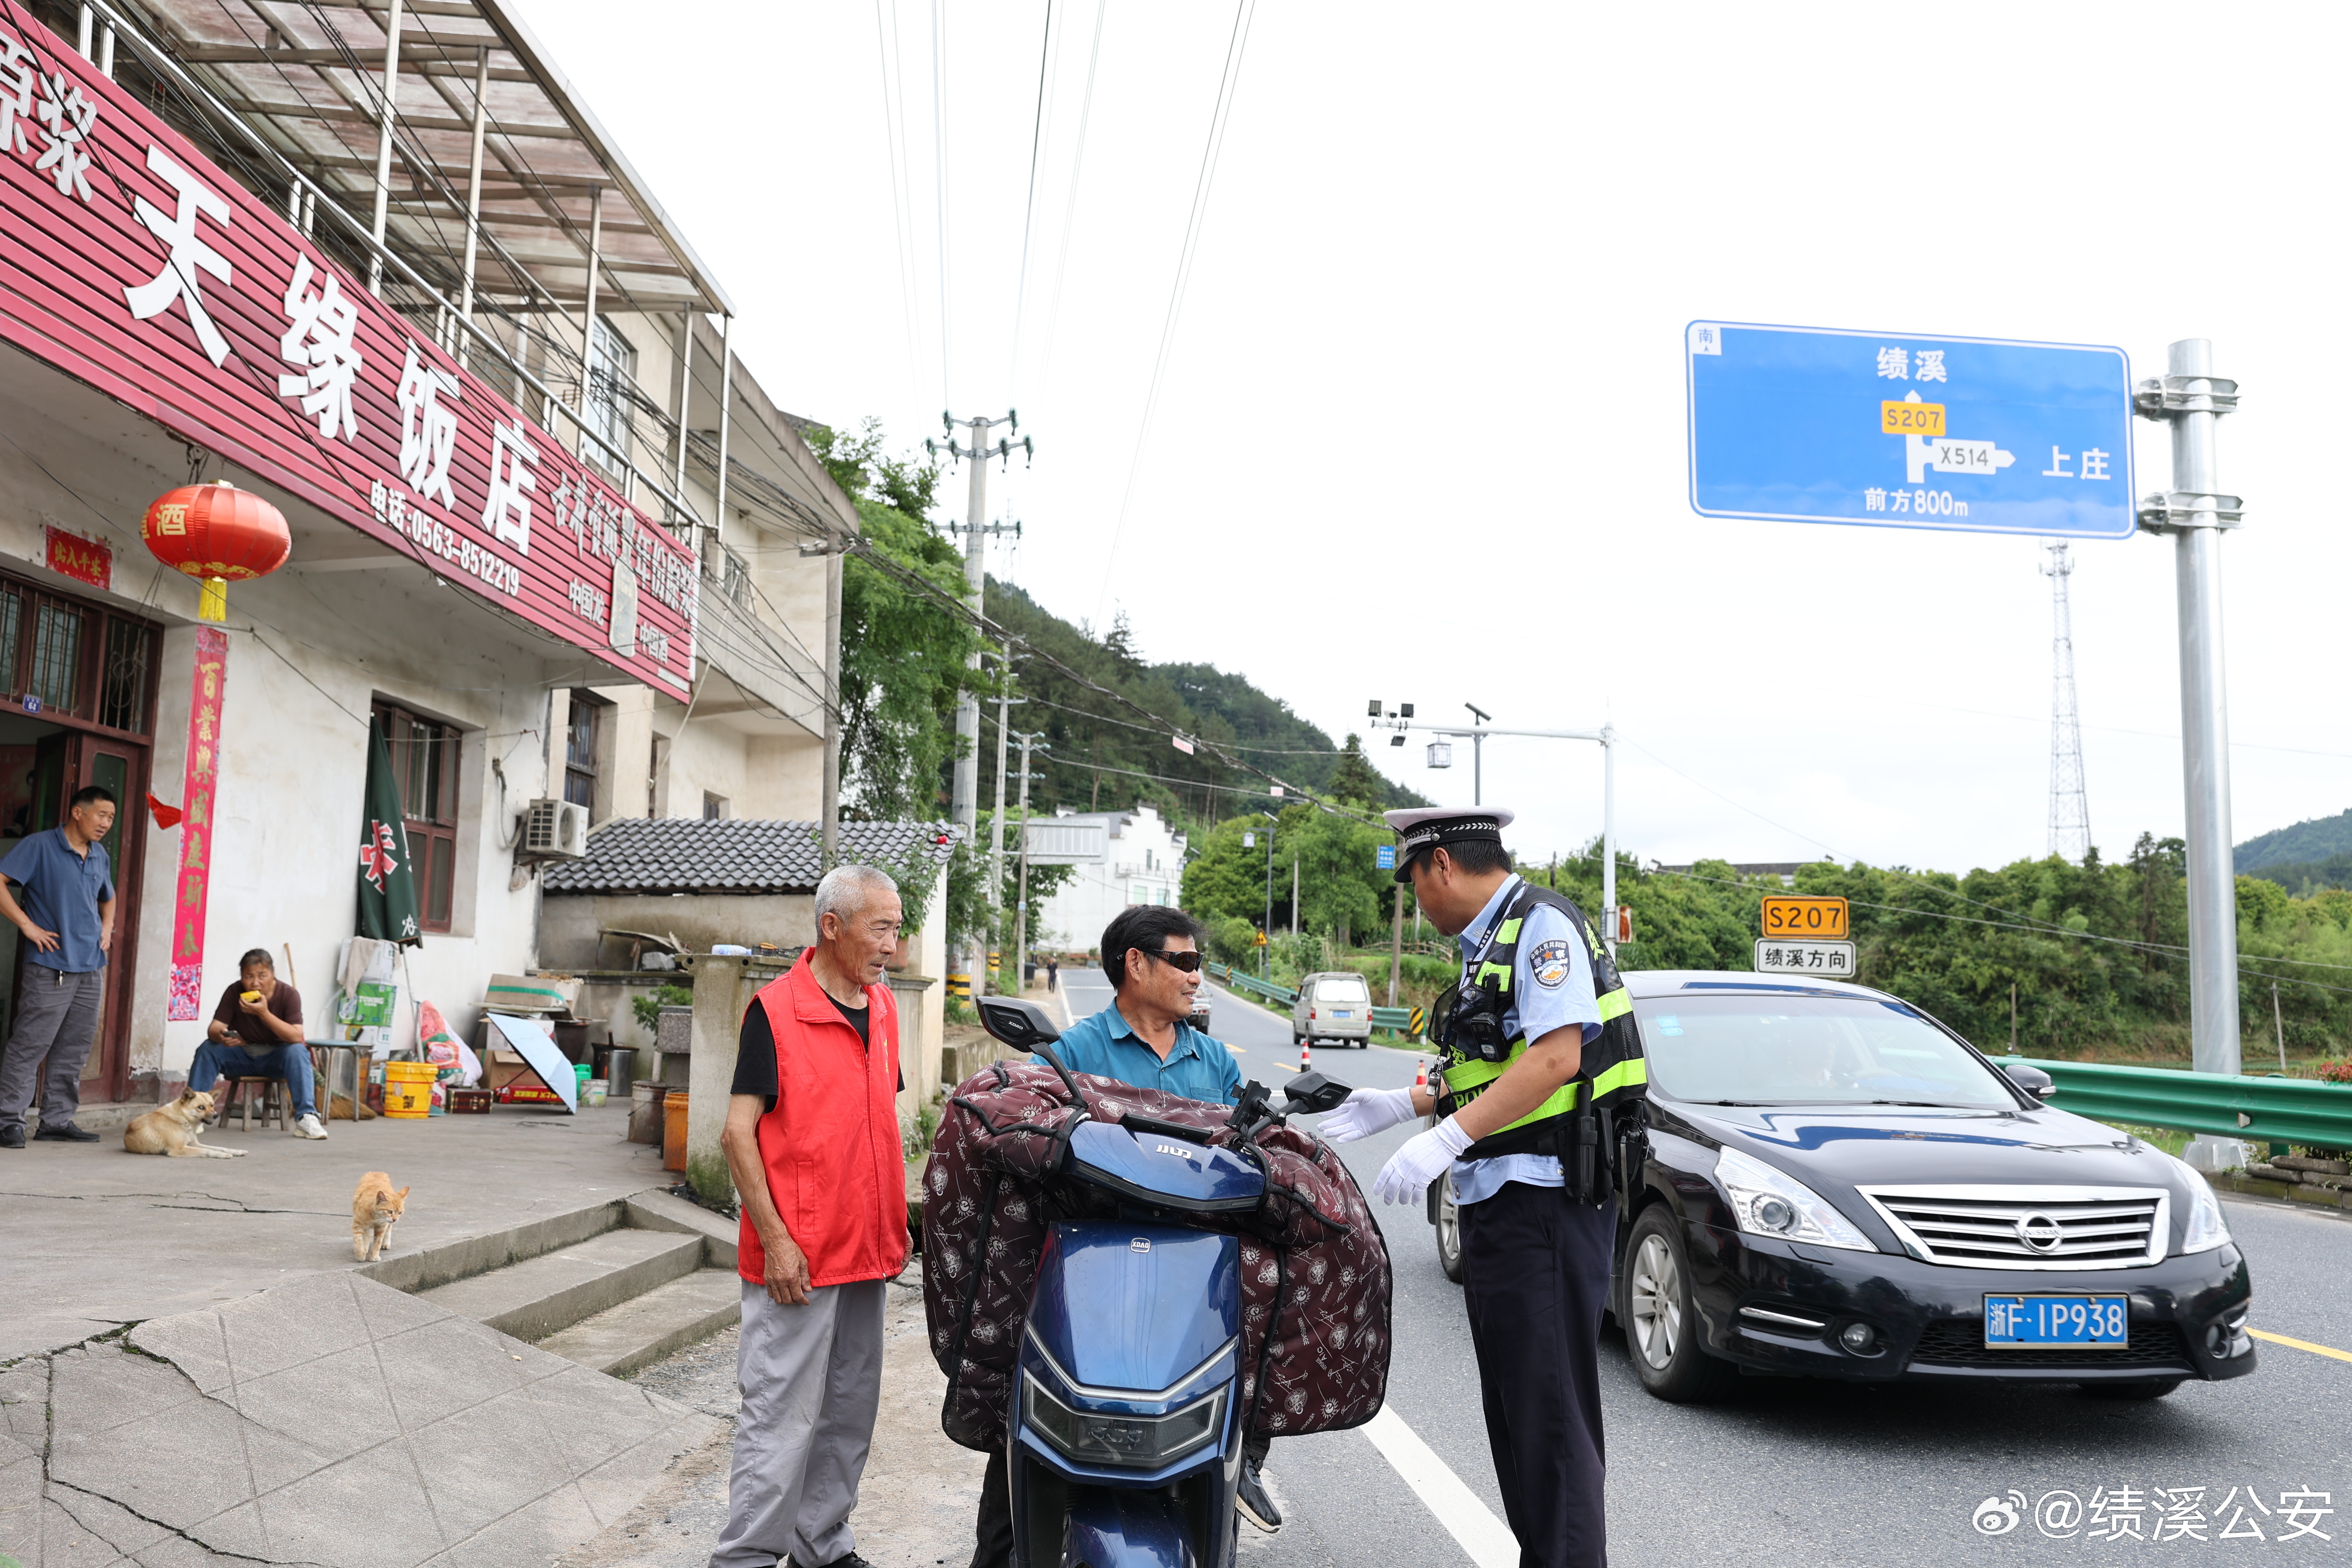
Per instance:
x=1891, y=430
x=1384, y=858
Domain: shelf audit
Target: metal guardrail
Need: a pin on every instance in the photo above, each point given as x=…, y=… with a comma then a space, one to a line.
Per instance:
x=1397, y=1018
x=2280, y=1109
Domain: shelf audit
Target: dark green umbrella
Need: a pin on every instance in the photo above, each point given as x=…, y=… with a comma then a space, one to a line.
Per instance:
x=387, y=874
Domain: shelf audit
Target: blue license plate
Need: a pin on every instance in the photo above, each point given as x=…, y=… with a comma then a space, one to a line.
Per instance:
x=1341, y=1013
x=2102, y=1322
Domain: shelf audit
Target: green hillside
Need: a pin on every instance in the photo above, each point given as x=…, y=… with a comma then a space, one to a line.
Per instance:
x=2305, y=841
x=1100, y=757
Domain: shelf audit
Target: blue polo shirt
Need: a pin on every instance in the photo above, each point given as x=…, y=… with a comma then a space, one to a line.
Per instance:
x=61, y=891
x=1197, y=1067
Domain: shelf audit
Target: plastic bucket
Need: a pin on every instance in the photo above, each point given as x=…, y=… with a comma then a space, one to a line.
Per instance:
x=408, y=1089
x=674, y=1130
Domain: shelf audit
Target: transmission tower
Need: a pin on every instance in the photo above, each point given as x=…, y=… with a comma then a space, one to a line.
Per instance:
x=2069, y=805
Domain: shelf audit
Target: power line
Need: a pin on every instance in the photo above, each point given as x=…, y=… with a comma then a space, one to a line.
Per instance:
x=1029, y=209
x=1227, y=87
x=939, y=170
x=1070, y=203
x=894, y=134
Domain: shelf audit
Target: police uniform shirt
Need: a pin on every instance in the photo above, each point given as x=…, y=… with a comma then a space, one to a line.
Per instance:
x=1551, y=987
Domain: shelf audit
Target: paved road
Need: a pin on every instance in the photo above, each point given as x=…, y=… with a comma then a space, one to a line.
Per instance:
x=1823, y=1474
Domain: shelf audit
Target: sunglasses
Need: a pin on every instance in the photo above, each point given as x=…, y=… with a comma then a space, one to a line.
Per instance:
x=1190, y=963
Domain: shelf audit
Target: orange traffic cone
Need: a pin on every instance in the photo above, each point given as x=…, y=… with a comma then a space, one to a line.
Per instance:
x=1306, y=1063
x=1421, y=1073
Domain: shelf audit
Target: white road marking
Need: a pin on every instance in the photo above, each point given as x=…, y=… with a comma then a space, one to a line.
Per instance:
x=1486, y=1539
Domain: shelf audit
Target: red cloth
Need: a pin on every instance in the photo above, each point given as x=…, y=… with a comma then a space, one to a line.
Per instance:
x=836, y=1168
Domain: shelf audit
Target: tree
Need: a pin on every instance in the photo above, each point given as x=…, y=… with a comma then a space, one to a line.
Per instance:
x=1354, y=780
x=903, y=658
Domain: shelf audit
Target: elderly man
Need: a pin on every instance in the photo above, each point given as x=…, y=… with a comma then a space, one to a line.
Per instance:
x=257, y=1032
x=63, y=900
x=813, y=1143
x=1152, y=954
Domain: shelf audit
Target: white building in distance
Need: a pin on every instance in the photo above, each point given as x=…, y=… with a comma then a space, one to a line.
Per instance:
x=1145, y=866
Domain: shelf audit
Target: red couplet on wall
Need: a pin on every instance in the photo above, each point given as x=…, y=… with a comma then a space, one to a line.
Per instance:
x=186, y=1000
x=135, y=265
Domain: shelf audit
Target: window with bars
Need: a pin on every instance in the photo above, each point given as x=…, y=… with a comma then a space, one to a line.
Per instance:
x=611, y=375
x=581, y=735
x=74, y=659
x=425, y=767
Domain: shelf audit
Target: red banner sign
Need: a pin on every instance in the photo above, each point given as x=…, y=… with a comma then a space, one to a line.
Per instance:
x=137, y=266
x=89, y=560
x=186, y=1000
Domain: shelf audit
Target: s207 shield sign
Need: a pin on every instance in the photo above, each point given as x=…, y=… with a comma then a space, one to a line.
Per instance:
x=1894, y=430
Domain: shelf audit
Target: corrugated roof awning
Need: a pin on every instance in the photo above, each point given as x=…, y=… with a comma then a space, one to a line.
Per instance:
x=309, y=76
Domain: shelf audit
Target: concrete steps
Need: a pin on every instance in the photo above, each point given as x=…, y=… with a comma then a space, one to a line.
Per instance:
x=614, y=1287
x=643, y=1330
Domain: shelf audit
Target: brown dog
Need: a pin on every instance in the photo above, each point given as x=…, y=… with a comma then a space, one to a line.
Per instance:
x=172, y=1130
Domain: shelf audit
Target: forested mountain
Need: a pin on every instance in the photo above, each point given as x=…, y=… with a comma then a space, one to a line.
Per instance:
x=1102, y=756
x=2305, y=841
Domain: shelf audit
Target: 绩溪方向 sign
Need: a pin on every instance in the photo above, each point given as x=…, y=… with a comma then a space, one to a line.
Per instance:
x=1821, y=960
x=1891, y=429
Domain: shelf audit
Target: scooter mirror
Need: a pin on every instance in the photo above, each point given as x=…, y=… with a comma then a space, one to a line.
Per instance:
x=1019, y=1024
x=1310, y=1093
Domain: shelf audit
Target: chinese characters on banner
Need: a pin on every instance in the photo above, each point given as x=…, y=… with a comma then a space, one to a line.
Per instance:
x=89, y=560
x=141, y=269
x=196, y=826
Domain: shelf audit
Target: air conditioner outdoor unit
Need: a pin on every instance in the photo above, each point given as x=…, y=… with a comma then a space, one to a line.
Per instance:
x=555, y=830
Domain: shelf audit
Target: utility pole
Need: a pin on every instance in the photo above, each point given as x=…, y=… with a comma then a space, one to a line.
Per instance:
x=1265, y=944
x=2069, y=805
x=1396, y=939
x=1294, y=894
x=2192, y=399
x=1479, y=716
x=1021, y=902
x=964, y=797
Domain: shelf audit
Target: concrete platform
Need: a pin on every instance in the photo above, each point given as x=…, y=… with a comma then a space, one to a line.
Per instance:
x=329, y=1420
x=98, y=1238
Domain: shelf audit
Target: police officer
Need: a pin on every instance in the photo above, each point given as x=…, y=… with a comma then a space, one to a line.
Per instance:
x=1536, y=1093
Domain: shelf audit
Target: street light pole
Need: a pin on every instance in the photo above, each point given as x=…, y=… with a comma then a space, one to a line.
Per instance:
x=1478, y=753
x=1267, y=944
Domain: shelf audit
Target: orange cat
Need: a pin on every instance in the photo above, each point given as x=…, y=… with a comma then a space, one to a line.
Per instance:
x=376, y=1209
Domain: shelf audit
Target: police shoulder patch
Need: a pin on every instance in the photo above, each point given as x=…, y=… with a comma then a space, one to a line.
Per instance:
x=1549, y=963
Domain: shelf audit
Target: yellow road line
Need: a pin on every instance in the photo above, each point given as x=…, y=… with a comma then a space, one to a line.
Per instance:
x=2302, y=1345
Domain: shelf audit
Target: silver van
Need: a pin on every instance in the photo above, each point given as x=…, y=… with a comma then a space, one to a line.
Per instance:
x=1334, y=1007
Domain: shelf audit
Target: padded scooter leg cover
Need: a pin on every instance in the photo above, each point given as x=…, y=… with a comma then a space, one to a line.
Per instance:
x=1316, y=1282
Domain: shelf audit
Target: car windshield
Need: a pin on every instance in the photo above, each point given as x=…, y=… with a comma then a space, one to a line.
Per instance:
x=1785, y=1049
x=1350, y=989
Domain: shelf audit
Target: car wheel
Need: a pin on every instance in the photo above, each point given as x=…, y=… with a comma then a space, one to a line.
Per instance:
x=1446, y=1218
x=2141, y=1388
x=1661, y=1320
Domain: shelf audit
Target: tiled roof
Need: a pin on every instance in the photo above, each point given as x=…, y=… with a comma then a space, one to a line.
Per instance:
x=682, y=855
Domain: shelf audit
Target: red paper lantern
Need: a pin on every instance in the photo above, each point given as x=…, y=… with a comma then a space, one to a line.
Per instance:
x=219, y=534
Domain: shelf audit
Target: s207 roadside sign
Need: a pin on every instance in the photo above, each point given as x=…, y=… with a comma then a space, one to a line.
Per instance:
x=1898, y=430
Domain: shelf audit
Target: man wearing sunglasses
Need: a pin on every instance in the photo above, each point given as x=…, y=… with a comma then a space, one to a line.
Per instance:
x=1152, y=955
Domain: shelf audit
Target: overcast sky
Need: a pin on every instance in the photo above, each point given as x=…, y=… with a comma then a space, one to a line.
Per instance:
x=1420, y=429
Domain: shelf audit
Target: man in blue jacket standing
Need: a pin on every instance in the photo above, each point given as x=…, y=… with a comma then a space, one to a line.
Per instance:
x=66, y=912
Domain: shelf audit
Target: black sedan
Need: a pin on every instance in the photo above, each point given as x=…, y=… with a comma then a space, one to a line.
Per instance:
x=1840, y=1187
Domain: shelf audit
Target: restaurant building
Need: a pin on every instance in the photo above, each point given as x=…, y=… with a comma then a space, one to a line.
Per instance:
x=551, y=540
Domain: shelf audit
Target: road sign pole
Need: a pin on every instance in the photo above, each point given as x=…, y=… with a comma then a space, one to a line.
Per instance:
x=2187, y=397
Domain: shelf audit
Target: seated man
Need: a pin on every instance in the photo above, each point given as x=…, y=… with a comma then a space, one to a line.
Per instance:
x=261, y=1038
x=1152, y=955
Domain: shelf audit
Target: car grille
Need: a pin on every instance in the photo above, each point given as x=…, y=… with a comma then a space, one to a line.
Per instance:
x=1960, y=1341
x=2028, y=1228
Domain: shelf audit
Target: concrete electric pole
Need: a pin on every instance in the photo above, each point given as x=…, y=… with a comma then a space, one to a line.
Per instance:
x=964, y=798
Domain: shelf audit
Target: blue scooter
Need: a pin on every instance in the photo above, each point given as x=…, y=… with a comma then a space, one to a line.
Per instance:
x=1126, y=1423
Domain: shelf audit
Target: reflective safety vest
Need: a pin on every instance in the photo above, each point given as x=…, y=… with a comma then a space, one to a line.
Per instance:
x=1475, y=1052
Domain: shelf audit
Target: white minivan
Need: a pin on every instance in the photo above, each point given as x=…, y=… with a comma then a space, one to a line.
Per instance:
x=1335, y=1006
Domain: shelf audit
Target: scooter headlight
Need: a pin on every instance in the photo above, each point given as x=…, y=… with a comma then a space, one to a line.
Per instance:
x=1130, y=1442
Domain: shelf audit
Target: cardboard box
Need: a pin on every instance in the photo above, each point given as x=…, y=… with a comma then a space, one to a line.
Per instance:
x=532, y=994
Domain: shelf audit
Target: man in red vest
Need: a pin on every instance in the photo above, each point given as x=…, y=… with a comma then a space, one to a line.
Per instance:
x=813, y=1143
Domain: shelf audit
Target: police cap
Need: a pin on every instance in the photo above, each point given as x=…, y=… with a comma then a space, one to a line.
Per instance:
x=1426, y=827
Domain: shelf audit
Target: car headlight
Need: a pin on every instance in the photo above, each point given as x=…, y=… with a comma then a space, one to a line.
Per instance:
x=1766, y=1202
x=1130, y=1442
x=2205, y=1229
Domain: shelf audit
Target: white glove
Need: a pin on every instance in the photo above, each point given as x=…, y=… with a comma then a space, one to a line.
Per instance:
x=1421, y=1161
x=1365, y=1112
